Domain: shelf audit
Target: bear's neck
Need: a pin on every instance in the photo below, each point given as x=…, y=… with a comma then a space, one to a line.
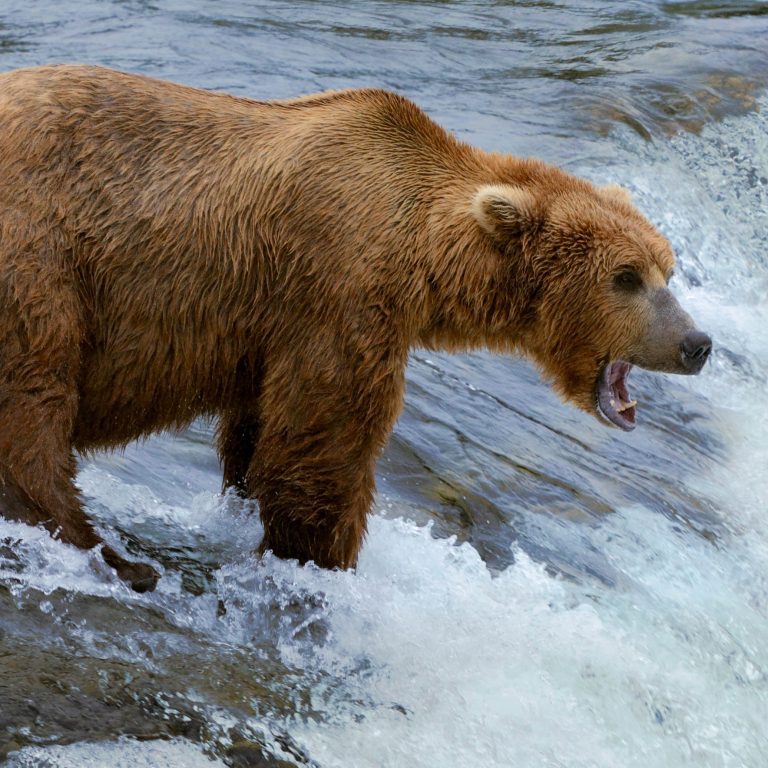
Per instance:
x=474, y=296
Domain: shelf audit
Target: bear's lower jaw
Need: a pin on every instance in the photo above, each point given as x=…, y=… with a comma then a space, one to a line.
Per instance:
x=613, y=401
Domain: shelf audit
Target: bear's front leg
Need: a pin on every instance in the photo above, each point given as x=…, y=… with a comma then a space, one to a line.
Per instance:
x=315, y=519
x=323, y=424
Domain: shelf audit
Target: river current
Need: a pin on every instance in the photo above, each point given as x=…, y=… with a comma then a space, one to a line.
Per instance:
x=535, y=590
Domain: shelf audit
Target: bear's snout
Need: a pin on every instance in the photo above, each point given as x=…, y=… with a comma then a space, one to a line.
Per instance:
x=670, y=342
x=694, y=351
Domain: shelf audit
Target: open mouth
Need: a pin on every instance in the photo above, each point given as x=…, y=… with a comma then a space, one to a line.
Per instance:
x=613, y=400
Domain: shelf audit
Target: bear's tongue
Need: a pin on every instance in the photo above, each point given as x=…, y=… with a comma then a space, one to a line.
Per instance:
x=613, y=398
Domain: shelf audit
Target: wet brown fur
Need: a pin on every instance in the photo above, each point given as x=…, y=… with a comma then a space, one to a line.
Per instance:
x=167, y=253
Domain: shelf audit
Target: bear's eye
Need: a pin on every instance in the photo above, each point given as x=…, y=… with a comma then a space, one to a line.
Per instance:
x=628, y=280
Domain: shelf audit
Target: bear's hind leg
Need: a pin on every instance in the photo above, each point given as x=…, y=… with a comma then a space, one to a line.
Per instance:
x=237, y=435
x=40, y=337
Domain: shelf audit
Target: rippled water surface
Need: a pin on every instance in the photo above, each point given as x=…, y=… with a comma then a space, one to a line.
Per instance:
x=535, y=590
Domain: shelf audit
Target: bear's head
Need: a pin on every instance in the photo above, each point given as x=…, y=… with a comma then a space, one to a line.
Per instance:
x=595, y=276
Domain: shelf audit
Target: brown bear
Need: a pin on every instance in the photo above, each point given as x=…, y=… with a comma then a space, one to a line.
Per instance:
x=168, y=253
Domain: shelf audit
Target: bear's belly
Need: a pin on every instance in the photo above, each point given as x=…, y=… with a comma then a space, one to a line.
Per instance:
x=128, y=393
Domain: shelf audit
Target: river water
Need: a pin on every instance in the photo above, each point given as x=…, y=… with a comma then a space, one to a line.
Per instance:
x=536, y=590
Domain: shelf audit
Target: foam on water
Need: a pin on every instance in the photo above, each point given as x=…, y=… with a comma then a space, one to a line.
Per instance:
x=427, y=659
x=47, y=564
x=463, y=668
x=122, y=753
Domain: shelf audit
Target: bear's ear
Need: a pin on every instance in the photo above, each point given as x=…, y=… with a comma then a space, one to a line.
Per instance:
x=503, y=210
x=616, y=193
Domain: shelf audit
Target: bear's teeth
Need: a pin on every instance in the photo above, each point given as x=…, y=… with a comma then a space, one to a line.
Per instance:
x=624, y=406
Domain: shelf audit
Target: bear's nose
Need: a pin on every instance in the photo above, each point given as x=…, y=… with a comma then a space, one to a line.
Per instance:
x=695, y=350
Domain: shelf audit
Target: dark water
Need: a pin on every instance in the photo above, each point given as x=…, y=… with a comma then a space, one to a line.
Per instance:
x=578, y=597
